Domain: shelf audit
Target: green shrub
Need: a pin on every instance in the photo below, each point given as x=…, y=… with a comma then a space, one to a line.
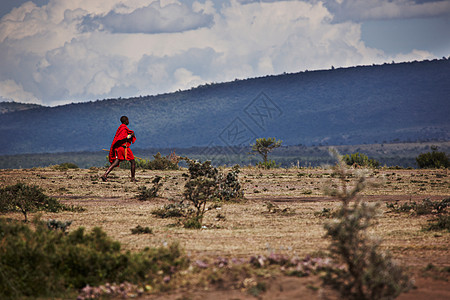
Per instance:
x=367, y=272
x=153, y=192
x=41, y=262
x=193, y=222
x=433, y=159
x=229, y=185
x=361, y=160
x=25, y=198
x=201, y=187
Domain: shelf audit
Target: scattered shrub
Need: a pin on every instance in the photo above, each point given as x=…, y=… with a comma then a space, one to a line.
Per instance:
x=441, y=222
x=37, y=262
x=433, y=159
x=58, y=225
x=26, y=198
x=159, y=162
x=425, y=207
x=273, y=208
x=65, y=166
x=360, y=160
x=141, y=230
x=172, y=210
x=270, y=164
x=153, y=192
x=367, y=272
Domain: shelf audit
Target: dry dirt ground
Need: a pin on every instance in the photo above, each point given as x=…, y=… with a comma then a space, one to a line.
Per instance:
x=242, y=230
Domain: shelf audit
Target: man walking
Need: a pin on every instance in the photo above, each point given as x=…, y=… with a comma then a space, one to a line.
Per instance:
x=120, y=150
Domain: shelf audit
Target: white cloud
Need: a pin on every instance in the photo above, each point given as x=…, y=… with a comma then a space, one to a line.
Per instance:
x=153, y=18
x=363, y=10
x=11, y=91
x=45, y=56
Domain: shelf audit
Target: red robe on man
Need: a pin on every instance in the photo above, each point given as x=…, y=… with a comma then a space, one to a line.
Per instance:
x=120, y=145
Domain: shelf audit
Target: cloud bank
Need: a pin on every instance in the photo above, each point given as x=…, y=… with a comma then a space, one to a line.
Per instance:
x=70, y=51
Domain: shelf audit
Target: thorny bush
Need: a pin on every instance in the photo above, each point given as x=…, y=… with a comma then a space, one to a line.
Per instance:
x=367, y=272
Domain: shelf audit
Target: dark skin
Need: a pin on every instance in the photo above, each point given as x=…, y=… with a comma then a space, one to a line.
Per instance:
x=116, y=162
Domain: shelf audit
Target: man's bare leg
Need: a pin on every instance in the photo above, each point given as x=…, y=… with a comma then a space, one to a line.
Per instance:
x=133, y=170
x=111, y=167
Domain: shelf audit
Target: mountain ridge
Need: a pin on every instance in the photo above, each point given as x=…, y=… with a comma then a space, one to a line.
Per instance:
x=356, y=105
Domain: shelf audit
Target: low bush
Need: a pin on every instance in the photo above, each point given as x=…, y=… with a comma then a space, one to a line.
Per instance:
x=230, y=188
x=360, y=160
x=172, y=210
x=29, y=198
x=65, y=166
x=153, y=192
x=141, y=230
x=433, y=159
x=425, y=207
x=270, y=164
x=39, y=262
x=441, y=222
x=159, y=162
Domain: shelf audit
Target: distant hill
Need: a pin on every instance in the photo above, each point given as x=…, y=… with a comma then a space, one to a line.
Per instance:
x=7, y=107
x=357, y=105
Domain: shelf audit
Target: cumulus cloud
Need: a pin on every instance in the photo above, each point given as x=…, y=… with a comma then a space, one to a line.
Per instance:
x=150, y=19
x=69, y=51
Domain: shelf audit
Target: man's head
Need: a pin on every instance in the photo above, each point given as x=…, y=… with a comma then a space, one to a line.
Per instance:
x=124, y=120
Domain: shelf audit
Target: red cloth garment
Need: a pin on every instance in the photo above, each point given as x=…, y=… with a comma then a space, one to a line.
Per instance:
x=120, y=147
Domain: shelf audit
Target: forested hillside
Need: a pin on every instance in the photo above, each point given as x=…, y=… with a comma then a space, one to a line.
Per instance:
x=367, y=104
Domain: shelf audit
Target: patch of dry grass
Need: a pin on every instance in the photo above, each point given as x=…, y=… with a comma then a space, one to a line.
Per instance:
x=247, y=229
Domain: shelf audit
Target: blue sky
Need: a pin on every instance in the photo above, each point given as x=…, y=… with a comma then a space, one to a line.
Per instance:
x=54, y=52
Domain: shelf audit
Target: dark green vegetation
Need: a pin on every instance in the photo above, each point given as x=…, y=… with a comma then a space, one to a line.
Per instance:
x=433, y=159
x=368, y=272
x=360, y=160
x=43, y=262
x=24, y=198
x=367, y=104
x=393, y=154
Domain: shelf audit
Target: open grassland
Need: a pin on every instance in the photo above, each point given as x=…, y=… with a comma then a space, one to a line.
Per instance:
x=249, y=228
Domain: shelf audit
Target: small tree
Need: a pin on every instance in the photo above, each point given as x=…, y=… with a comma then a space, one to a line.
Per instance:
x=433, y=159
x=265, y=145
x=25, y=198
x=367, y=272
